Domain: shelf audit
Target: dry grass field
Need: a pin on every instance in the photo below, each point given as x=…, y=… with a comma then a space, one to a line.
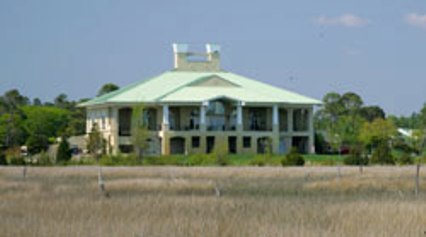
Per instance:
x=179, y=201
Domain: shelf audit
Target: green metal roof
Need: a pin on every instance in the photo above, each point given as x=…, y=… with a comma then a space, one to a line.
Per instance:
x=178, y=86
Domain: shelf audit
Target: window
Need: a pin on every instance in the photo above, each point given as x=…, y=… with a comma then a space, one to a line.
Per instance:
x=246, y=142
x=126, y=148
x=195, y=142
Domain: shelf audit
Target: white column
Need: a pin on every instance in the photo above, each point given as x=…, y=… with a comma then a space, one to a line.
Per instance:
x=165, y=117
x=311, y=131
x=115, y=123
x=203, y=114
x=166, y=114
x=275, y=115
x=239, y=114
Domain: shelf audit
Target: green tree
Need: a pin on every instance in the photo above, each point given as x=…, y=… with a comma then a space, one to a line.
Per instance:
x=423, y=116
x=414, y=121
x=12, y=133
x=61, y=101
x=37, y=102
x=37, y=143
x=293, y=158
x=95, y=142
x=352, y=103
x=370, y=113
x=77, y=122
x=44, y=120
x=377, y=135
x=220, y=152
x=377, y=131
x=64, y=151
x=140, y=133
x=341, y=118
x=12, y=100
x=107, y=88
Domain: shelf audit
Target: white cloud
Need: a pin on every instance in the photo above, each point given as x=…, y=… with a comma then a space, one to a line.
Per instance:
x=417, y=20
x=347, y=20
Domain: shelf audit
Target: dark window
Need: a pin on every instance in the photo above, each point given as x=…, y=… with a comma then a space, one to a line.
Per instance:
x=246, y=142
x=210, y=144
x=126, y=148
x=232, y=145
x=195, y=142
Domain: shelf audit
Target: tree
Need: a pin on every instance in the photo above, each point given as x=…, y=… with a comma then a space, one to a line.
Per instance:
x=423, y=116
x=378, y=135
x=377, y=131
x=44, y=120
x=12, y=133
x=37, y=102
x=64, y=151
x=352, y=103
x=107, y=88
x=140, y=132
x=220, y=152
x=77, y=123
x=333, y=106
x=95, y=142
x=12, y=100
x=414, y=121
x=61, y=101
x=370, y=113
x=37, y=143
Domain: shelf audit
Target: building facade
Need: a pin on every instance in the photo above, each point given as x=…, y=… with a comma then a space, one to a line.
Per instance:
x=197, y=106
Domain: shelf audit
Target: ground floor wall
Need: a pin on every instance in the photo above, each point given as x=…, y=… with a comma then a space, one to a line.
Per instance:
x=193, y=142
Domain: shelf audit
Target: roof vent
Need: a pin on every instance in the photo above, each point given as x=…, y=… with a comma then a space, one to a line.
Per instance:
x=185, y=60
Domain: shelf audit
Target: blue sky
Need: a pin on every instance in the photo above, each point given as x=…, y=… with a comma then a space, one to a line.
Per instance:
x=376, y=48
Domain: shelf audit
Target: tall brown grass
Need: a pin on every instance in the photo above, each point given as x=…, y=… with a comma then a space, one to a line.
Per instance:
x=171, y=201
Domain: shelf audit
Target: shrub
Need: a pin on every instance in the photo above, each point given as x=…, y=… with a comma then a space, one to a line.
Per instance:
x=14, y=157
x=293, y=158
x=64, y=151
x=84, y=160
x=200, y=159
x=405, y=159
x=37, y=143
x=382, y=155
x=355, y=156
x=119, y=159
x=258, y=161
x=2, y=159
x=44, y=159
x=355, y=160
x=220, y=152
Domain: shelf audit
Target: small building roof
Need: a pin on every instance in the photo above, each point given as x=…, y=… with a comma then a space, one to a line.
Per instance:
x=196, y=87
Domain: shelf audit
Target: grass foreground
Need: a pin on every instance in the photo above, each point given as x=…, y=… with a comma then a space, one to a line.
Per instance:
x=184, y=201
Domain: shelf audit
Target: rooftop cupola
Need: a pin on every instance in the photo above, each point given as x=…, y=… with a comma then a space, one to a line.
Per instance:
x=185, y=60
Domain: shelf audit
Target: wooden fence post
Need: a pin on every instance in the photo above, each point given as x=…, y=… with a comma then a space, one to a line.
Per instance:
x=416, y=191
x=24, y=172
x=101, y=183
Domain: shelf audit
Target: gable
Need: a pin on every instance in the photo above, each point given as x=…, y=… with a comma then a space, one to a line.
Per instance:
x=213, y=81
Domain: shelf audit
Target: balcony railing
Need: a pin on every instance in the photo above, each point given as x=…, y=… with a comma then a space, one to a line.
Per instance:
x=221, y=128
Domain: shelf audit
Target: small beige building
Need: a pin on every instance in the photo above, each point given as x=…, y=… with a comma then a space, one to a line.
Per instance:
x=197, y=105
